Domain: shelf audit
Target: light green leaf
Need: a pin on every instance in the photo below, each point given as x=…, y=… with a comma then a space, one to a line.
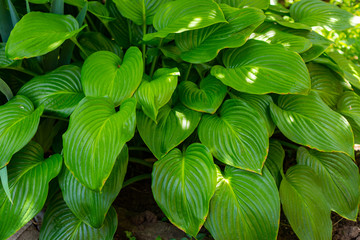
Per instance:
x=154, y=93
x=207, y=97
x=95, y=137
x=18, y=124
x=307, y=120
x=29, y=177
x=96, y=41
x=173, y=126
x=89, y=206
x=244, y=201
x=341, y=176
x=185, y=15
x=285, y=21
x=95, y=7
x=203, y=45
x=304, y=204
x=237, y=136
x=259, y=68
x=104, y=74
x=183, y=184
x=44, y=32
x=59, y=91
x=274, y=161
x=60, y=223
x=349, y=105
x=263, y=4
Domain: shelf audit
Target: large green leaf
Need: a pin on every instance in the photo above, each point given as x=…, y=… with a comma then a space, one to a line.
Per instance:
x=274, y=161
x=307, y=120
x=285, y=20
x=237, y=136
x=341, y=176
x=183, y=184
x=203, y=45
x=185, y=15
x=304, y=204
x=173, y=126
x=18, y=124
x=349, y=105
x=44, y=32
x=59, y=91
x=154, y=93
x=89, y=206
x=95, y=137
x=29, y=177
x=207, y=97
x=263, y=4
x=95, y=41
x=244, y=206
x=319, y=13
x=60, y=223
x=259, y=68
x=104, y=74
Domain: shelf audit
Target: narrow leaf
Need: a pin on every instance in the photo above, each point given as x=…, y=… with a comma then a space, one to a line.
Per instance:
x=274, y=161
x=5, y=89
x=5, y=183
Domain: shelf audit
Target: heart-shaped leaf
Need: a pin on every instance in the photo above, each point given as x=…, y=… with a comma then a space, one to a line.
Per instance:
x=244, y=201
x=185, y=15
x=173, y=126
x=237, y=136
x=274, y=161
x=307, y=120
x=89, y=206
x=259, y=68
x=29, y=177
x=263, y=4
x=44, y=32
x=95, y=137
x=59, y=91
x=104, y=74
x=341, y=176
x=205, y=98
x=304, y=204
x=61, y=223
x=156, y=92
x=202, y=45
x=183, y=184
x=18, y=124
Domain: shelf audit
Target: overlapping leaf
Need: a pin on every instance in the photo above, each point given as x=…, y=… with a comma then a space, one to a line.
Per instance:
x=5, y=89
x=95, y=137
x=349, y=105
x=4, y=61
x=285, y=21
x=263, y=4
x=274, y=161
x=96, y=41
x=259, y=68
x=95, y=7
x=183, y=184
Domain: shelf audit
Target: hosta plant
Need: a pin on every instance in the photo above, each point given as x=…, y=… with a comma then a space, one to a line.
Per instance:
x=243, y=105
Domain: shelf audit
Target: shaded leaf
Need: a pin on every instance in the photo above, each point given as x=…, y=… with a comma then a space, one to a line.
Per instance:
x=5, y=89
x=96, y=41
x=95, y=7
x=4, y=61
x=274, y=161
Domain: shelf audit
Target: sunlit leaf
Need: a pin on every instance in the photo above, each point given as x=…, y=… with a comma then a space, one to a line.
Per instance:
x=349, y=105
x=274, y=161
x=263, y=4
x=270, y=17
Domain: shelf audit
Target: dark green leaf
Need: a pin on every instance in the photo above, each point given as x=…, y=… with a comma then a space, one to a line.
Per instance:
x=96, y=41
x=5, y=89
x=274, y=161
x=4, y=61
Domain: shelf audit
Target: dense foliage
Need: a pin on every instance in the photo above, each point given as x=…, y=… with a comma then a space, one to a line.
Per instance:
x=213, y=89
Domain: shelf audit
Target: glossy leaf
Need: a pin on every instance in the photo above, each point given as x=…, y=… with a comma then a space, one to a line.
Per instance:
x=183, y=184
x=319, y=44
x=237, y=136
x=18, y=124
x=244, y=201
x=349, y=105
x=207, y=97
x=173, y=126
x=263, y=4
x=59, y=91
x=307, y=120
x=104, y=74
x=285, y=20
x=29, y=177
x=95, y=137
x=259, y=68
x=274, y=161
x=44, y=32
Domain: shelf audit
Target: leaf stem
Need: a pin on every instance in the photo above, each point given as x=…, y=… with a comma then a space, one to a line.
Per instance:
x=287, y=144
x=136, y=179
x=155, y=60
x=188, y=72
x=54, y=117
x=140, y=161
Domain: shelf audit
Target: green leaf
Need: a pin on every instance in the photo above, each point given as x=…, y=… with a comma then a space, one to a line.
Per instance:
x=18, y=124
x=61, y=223
x=95, y=7
x=285, y=21
x=89, y=206
x=319, y=13
x=29, y=177
x=183, y=184
x=237, y=136
x=304, y=204
x=5, y=183
x=96, y=41
x=95, y=137
x=44, y=32
x=263, y=4
x=274, y=161
x=173, y=126
x=207, y=97
x=185, y=15
x=244, y=201
x=341, y=176
x=203, y=45
x=4, y=61
x=307, y=120
x=349, y=105
x=119, y=27
x=319, y=44
x=154, y=93
x=259, y=68
x=104, y=74
x=59, y=91
x=5, y=89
